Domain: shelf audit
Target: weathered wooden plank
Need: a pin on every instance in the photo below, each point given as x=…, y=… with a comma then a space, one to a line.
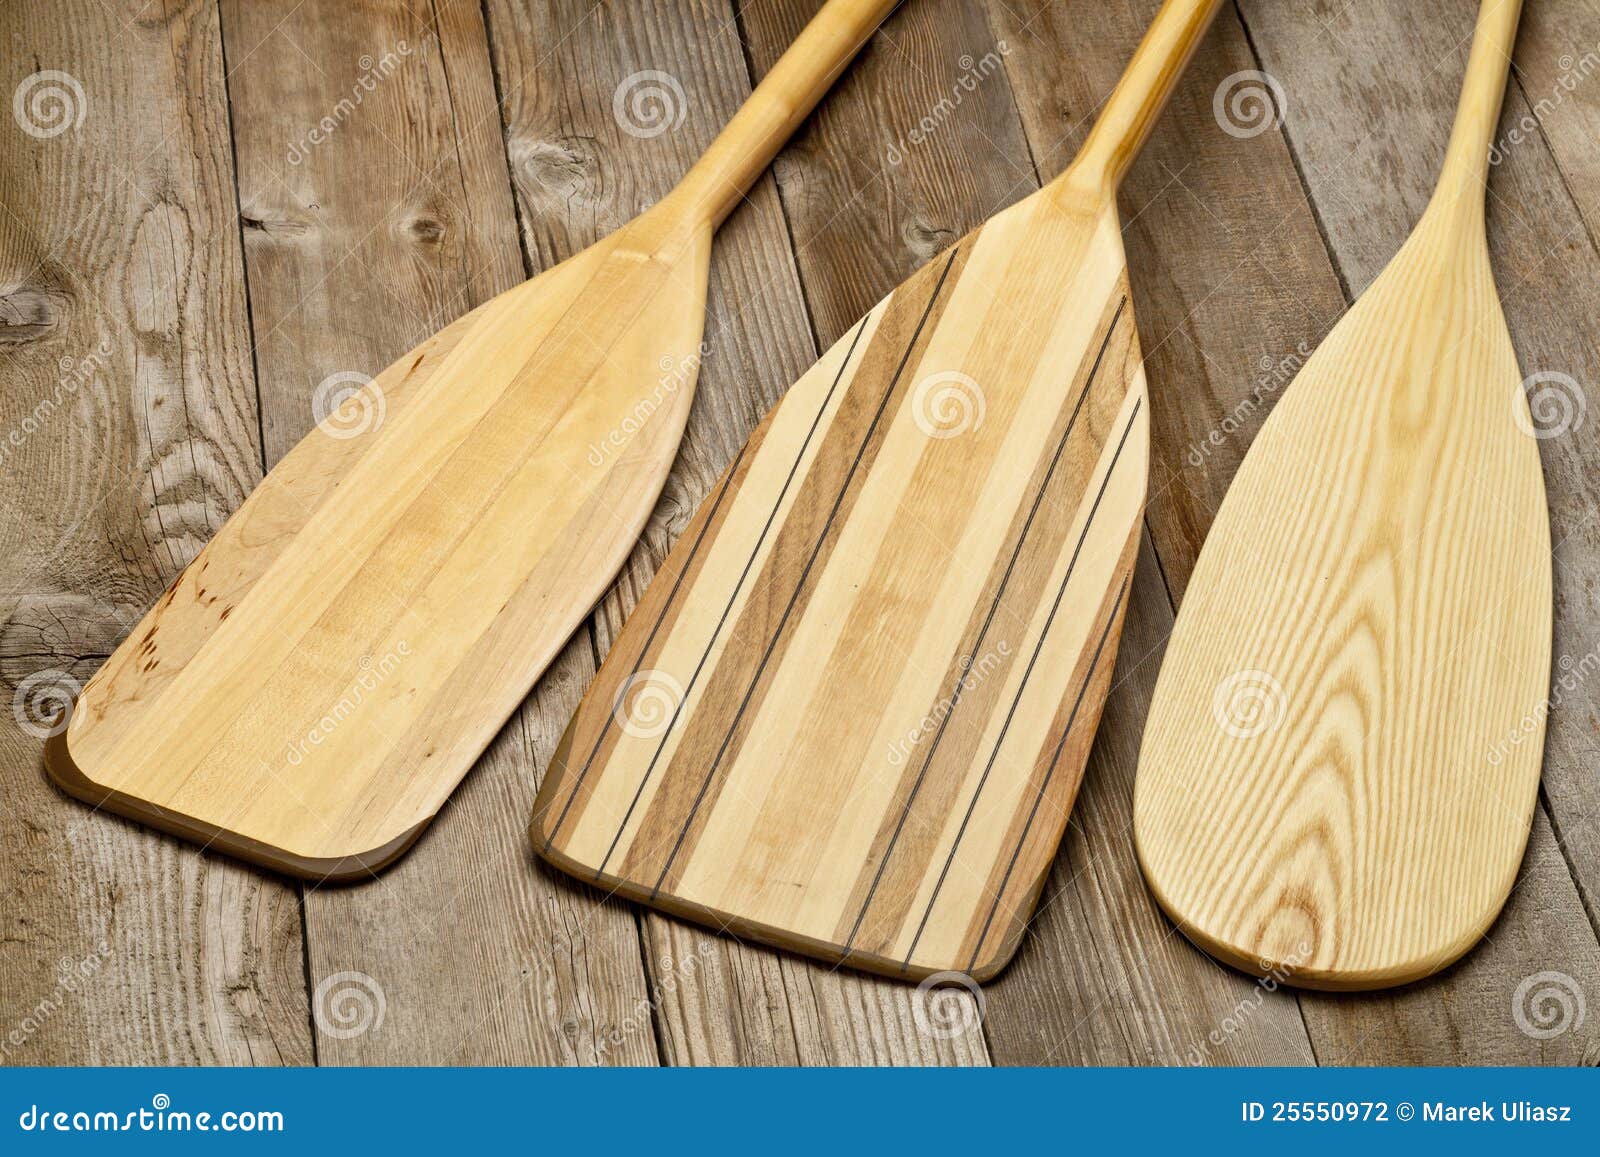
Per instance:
x=1106, y=979
x=1556, y=106
x=129, y=432
x=1369, y=171
x=853, y=241
x=377, y=207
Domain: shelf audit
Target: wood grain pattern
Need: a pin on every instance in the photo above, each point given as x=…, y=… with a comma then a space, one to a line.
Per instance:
x=857, y=228
x=1351, y=649
x=851, y=714
x=1546, y=269
x=315, y=685
x=1221, y=225
x=127, y=432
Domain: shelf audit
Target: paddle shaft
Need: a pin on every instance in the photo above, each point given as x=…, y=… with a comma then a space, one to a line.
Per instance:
x=783, y=99
x=1466, y=160
x=1131, y=110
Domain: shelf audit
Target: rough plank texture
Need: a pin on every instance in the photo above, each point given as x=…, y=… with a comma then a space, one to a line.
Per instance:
x=358, y=248
x=1367, y=202
x=1219, y=233
x=1206, y=321
x=753, y=1006
x=130, y=432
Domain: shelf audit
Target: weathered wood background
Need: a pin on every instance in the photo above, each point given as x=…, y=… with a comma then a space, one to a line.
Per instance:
x=180, y=266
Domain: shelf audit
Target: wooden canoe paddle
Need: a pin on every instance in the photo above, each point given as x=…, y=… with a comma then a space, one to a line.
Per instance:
x=850, y=715
x=314, y=685
x=1341, y=761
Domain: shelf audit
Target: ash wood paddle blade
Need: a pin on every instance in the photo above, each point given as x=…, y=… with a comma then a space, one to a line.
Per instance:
x=313, y=686
x=851, y=714
x=1342, y=756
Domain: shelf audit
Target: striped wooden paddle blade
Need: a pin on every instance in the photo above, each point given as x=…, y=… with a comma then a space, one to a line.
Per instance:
x=851, y=714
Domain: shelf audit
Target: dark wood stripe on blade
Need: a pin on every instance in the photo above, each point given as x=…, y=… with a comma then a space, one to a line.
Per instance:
x=733, y=596
x=713, y=736
x=1068, y=732
x=888, y=892
x=608, y=716
x=1011, y=712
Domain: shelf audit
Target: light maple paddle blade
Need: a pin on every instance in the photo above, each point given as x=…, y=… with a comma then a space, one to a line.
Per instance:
x=851, y=713
x=1342, y=757
x=313, y=686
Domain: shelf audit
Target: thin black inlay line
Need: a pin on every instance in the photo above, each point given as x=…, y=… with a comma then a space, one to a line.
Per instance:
x=672, y=597
x=799, y=585
x=1044, y=784
x=954, y=697
x=1027, y=674
x=672, y=723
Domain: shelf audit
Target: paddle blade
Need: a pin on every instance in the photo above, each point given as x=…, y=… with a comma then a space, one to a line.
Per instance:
x=314, y=684
x=851, y=713
x=1342, y=757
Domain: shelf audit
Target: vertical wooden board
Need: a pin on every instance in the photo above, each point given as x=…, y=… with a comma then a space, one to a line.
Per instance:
x=1369, y=172
x=377, y=207
x=860, y=225
x=1209, y=318
x=1105, y=977
x=1558, y=58
x=1231, y=286
x=583, y=162
x=128, y=430
x=1555, y=107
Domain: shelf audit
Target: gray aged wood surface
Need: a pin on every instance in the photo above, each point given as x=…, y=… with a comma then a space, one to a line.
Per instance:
x=183, y=260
